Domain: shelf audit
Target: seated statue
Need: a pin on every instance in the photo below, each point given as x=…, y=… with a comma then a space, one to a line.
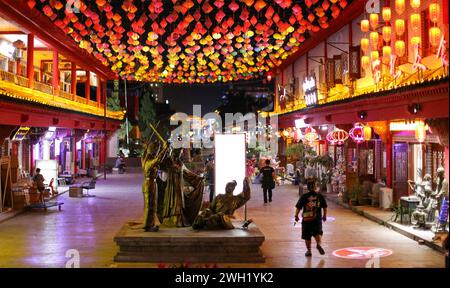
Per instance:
x=217, y=216
x=425, y=211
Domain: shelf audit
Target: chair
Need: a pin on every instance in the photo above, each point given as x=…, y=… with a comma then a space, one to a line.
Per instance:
x=88, y=185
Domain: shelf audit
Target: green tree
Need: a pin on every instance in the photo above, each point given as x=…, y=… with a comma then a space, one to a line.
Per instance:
x=147, y=115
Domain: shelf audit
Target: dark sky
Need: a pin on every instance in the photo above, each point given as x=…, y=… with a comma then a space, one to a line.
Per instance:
x=182, y=97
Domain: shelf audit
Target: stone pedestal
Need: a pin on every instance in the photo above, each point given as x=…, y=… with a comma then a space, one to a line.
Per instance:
x=185, y=245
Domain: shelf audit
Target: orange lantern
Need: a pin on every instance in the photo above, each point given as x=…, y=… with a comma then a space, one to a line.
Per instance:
x=374, y=55
x=415, y=21
x=386, y=54
x=415, y=4
x=434, y=10
x=364, y=44
x=374, y=40
x=435, y=36
x=400, y=6
x=421, y=131
x=367, y=132
x=365, y=25
x=399, y=27
x=400, y=48
x=374, y=20
x=387, y=33
x=416, y=40
x=365, y=62
x=386, y=14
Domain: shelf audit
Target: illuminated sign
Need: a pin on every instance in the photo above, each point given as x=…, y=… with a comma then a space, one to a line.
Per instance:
x=310, y=91
x=21, y=133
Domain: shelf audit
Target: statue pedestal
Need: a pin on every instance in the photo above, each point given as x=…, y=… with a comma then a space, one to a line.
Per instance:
x=185, y=245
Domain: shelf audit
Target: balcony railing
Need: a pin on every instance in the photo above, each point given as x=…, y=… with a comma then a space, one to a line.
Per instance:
x=18, y=86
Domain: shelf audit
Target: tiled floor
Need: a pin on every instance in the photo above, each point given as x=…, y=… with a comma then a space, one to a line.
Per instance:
x=41, y=239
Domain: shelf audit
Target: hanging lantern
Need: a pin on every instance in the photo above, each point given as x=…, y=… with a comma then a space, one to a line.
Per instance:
x=415, y=21
x=337, y=137
x=365, y=25
x=285, y=133
x=400, y=6
x=400, y=48
x=311, y=134
x=374, y=56
x=387, y=33
x=364, y=44
x=357, y=133
x=365, y=62
x=416, y=40
x=386, y=54
x=386, y=14
x=374, y=40
x=434, y=10
x=399, y=27
x=434, y=36
x=367, y=132
x=374, y=20
x=415, y=4
x=420, y=131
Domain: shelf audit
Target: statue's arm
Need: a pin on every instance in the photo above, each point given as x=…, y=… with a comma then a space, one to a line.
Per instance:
x=244, y=196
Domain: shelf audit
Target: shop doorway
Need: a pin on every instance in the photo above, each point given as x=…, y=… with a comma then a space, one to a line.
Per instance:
x=400, y=170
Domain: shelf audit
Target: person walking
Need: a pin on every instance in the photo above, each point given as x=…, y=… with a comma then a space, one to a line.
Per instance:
x=268, y=181
x=311, y=204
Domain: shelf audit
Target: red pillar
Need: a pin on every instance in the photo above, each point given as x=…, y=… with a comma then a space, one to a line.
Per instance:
x=75, y=170
x=55, y=71
x=87, y=87
x=83, y=155
x=389, y=161
x=30, y=60
x=31, y=160
x=73, y=76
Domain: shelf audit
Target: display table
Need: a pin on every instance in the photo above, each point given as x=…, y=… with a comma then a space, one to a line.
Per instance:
x=385, y=198
x=408, y=204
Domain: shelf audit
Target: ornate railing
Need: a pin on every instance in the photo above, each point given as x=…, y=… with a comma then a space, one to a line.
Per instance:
x=66, y=95
x=43, y=87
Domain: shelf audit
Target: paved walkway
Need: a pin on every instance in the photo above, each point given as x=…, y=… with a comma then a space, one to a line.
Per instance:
x=41, y=239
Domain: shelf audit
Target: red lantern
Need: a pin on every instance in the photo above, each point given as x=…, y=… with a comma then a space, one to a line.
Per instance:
x=357, y=133
x=337, y=136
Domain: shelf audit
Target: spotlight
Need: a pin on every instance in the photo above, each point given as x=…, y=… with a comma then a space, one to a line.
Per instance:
x=362, y=114
x=414, y=108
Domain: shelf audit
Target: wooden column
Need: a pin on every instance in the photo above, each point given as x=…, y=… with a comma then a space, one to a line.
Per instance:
x=389, y=161
x=87, y=87
x=75, y=170
x=99, y=91
x=83, y=154
x=55, y=72
x=73, y=77
x=30, y=60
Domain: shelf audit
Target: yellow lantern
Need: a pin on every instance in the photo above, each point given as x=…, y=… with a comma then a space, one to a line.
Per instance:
x=400, y=6
x=387, y=53
x=421, y=131
x=367, y=133
x=374, y=55
x=365, y=62
x=386, y=14
x=374, y=40
x=365, y=25
x=387, y=33
x=415, y=21
x=374, y=20
x=364, y=44
x=435, y=36
x=415, y=4
x=399, y=27
x=416, y=40
x=434, y=10
x=400, y=48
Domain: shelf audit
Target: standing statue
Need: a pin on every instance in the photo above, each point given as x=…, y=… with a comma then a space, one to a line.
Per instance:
x=440, y=196
x=150, y=162
x=183, y=194
x=217, y=216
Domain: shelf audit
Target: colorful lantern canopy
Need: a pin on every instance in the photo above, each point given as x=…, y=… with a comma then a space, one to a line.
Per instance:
x=416, y=40
x=415, y=4
x=387, y=33
x=386, y=14
x=365, y=62
x=399, y=6
x=399, y=27
x=311, y=134
x=374, y=20
x=435, y=36
x=367, y=132
x=337, y=136
x=415, y=21
x=357, y=133
x=400, y=48
x=364, y=44
x=434, y=11
x=374, y=56
x=374, y=40
x=386, y=54
x=365, y=26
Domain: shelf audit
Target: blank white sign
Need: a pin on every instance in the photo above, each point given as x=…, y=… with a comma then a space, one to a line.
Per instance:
x=229, y=161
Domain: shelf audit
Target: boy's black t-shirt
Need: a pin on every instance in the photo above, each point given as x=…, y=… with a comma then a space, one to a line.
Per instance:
x=267, y=172
x=311, y=205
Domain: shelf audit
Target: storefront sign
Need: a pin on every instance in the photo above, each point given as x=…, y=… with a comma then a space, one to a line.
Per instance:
x=310, y=91
x=21, y=133
x=362, y=252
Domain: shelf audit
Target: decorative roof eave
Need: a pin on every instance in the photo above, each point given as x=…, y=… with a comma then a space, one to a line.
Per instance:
x=36, y=23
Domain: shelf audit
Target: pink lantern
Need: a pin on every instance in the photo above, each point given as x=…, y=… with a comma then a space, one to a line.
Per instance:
x=337, y=136
x=357, y=133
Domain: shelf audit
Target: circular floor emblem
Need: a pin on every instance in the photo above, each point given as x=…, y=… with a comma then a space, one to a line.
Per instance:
x=362, y=252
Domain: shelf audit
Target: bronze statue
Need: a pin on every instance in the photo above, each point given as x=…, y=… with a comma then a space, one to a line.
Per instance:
x=425, y=210
x=441, y=187
x=222, y=208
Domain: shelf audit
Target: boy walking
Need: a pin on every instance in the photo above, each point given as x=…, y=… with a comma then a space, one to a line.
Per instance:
x=311, y=205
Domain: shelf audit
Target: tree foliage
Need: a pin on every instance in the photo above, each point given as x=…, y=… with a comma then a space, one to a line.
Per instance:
x=147, y=115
